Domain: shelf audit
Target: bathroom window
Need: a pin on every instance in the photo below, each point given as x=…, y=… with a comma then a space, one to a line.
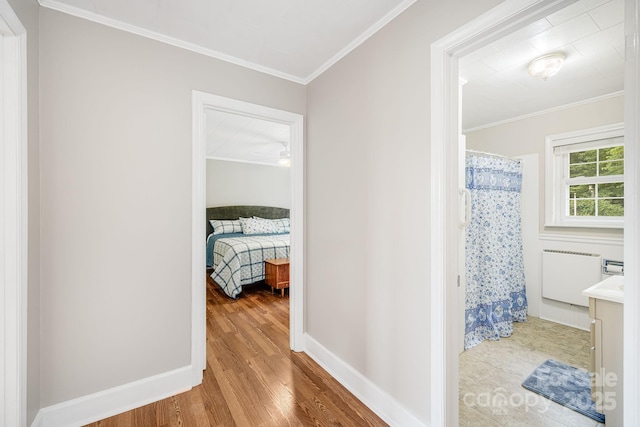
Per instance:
x=585, y=178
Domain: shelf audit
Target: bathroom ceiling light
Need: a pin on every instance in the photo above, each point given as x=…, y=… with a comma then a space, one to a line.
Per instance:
x=285, y=158
x=546, y=65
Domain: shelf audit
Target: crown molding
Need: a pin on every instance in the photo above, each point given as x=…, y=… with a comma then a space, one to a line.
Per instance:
x=193, y=47
x=546, y=111
x=114, y=23
x=360, y=39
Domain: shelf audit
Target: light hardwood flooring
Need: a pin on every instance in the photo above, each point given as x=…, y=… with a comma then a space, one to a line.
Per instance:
x=252, y=378
x=497, y=368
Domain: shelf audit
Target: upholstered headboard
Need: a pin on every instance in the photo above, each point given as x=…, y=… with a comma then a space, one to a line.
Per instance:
x=234, y=212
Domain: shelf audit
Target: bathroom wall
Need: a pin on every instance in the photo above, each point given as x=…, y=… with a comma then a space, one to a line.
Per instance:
x=525, y=139
x=572, y=315
x=527, y=136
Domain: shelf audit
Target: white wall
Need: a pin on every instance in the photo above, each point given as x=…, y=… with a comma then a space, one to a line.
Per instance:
x=115, y=169
x=237, y=183
x=560, y=312
x=530, y=240
x=28, y=13
x=527, y=136
x=368, y=210
x=115, y=166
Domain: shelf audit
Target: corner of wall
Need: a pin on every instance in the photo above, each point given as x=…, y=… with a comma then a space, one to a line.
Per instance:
x=107, y=403
x=384, y=405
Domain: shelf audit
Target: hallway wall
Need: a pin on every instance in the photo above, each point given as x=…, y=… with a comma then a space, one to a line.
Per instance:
x=116, y=138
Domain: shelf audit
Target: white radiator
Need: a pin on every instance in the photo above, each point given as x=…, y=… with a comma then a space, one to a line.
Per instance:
x=566, y=274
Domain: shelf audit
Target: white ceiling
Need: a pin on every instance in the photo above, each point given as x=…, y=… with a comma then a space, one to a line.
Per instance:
x=298, y=40
x=240, y=138
x=591, y=35
x=293, y=39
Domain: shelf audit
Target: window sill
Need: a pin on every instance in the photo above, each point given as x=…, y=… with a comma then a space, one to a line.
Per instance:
x=585, y=224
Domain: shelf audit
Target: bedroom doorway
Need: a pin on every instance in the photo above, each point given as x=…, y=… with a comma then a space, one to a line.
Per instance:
x=503, y=19
x=201, y=103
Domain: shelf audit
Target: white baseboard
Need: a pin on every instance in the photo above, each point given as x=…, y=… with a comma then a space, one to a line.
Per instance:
x=565, y=314
x=107, y=403
x=385, y=406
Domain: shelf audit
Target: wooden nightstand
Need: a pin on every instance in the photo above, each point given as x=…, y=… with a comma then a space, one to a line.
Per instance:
x=276, y=273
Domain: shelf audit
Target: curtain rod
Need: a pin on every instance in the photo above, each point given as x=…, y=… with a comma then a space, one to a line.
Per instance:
x=491, y=154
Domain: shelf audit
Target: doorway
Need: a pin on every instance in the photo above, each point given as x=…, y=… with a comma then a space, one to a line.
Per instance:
x=504, y=19
x=201, y=103
x=13, y=218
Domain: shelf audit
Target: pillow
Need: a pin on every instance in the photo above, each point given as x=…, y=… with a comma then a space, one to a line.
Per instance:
x=226, y=226
x=261, y=226
x=283, y=225
x=243, y=222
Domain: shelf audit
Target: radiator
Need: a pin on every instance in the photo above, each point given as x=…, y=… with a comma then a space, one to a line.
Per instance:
x=566, y=274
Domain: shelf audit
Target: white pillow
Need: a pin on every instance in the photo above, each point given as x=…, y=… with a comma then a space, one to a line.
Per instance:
x=283, y=225
x=259, y=226
x=226, y=226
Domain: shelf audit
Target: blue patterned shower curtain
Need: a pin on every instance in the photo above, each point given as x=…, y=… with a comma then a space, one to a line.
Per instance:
x=495, y=287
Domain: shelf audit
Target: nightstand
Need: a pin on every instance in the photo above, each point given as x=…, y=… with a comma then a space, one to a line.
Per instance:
x=276, y=273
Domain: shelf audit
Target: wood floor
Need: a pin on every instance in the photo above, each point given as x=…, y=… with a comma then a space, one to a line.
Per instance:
x=252, y=378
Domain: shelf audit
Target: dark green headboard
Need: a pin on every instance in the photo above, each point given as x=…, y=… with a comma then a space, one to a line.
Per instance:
x=234, y=212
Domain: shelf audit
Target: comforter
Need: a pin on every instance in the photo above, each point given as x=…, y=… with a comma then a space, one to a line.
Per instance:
x=239, y=261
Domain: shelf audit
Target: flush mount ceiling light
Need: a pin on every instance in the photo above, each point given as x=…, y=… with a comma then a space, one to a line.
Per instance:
x=546, y=65
x=285, y=156
x=285, y=159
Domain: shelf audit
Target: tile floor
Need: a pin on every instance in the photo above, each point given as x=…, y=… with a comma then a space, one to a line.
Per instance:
x=491, y=375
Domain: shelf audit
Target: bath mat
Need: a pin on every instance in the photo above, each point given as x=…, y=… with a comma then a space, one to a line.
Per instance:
x=566, y=385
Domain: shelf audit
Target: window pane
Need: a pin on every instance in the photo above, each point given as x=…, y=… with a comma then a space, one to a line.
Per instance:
x=615, y=167
x=583, y=156
x=613, y=189
x=610, y=207
x=612, y=153
x=585, y=169
x=582, y=207
x=581, y=191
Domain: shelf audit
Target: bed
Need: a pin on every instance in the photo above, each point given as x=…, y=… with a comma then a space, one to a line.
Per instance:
x=236, y=254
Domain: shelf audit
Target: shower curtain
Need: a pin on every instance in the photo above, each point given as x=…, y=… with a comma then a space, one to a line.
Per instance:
x=495, y=286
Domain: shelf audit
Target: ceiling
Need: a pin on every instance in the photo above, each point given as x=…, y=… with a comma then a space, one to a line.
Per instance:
x=298, y=40
x=293, y=39
x=591, y=35
x=240, y=138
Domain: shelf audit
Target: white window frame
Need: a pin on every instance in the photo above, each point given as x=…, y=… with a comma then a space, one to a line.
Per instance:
x=555, y=197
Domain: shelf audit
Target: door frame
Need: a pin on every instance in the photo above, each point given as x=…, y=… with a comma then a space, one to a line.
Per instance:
x=499, y=21
x=201, y=103
x=13, y=218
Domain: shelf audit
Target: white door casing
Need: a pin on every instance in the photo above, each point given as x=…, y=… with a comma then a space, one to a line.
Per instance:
x=204, y=101
x=13, y=218
x=499, y=21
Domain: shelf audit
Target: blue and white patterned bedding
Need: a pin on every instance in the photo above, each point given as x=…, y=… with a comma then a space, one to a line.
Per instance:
x=239, y=261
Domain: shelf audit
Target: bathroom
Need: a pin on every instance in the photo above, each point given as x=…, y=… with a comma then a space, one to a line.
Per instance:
x=528, y=132
x=546, y=267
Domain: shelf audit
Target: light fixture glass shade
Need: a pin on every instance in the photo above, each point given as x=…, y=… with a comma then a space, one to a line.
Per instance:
x=546, y=65
x=285, y=159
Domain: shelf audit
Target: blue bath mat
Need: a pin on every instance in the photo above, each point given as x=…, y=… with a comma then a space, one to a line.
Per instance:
x=566, y=385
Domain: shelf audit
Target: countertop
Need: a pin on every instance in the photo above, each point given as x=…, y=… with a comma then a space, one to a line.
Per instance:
x=610, y=289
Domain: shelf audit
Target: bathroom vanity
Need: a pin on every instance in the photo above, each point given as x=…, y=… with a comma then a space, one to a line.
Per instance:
x=606, y=313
